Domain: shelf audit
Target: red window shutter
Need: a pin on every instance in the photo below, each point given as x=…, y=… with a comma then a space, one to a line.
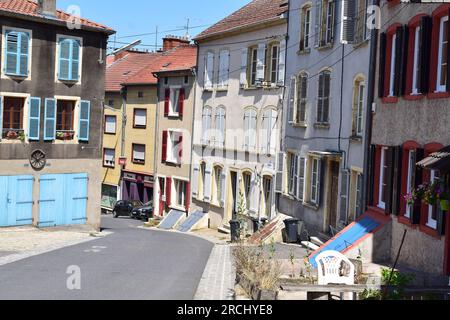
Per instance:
x=181, y=102
x=180, y=146
x=164, y=146
x=166, y=103
x=188, y=196
x=168, y=191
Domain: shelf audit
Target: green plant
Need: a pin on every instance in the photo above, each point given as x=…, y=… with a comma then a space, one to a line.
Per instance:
x=398, y=281
x=292, y=260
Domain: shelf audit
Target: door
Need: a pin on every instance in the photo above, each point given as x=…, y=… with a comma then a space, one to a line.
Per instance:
x=234, y=195
x=16, y=201
x=334, y=193
x=68, y=206
x=162, y=189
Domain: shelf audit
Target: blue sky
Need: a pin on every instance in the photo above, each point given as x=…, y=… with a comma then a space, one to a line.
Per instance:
x=132, y=17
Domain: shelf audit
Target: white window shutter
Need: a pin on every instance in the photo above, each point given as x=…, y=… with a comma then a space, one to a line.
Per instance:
x=348, y=21
x=301, y=178
x=243, y=76
x=224, y=62
x=319, y=182
x=207, y=186
x=318, y=23
x=247, y=129
x=253, y=125
x=223, y=180
x=291, y=99
x=264, y=133
x=194, y=182
x=261, y=57
x=272, y=138
x=209, y=70
x=280, y=177
x=343, y=212
x=254, y=195
x=282, y=62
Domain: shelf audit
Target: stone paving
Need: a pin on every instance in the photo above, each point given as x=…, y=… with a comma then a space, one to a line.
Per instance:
x=219, y=277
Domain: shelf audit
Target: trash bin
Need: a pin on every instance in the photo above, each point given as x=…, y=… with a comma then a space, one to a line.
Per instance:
x=255, y=225
x=235, y=227
x=291, y=230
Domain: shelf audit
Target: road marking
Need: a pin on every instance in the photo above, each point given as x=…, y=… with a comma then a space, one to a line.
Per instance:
x=95, y=249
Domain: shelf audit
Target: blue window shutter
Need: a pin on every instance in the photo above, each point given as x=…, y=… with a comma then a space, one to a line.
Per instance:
x=85, y=110
x=17, y=52
x=1, y=117
x=50, y=119
x=75, y=63
x=65, y=53
x=34, y=119
x=24, y=52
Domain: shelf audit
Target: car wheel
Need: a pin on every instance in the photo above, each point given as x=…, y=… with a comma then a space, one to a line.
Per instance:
x=115, y=215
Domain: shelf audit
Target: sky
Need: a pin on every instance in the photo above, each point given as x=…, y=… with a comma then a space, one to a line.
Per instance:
x=132, y=18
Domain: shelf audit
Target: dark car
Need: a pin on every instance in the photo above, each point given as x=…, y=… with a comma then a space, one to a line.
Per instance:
x=125, y=208
x=144, y=213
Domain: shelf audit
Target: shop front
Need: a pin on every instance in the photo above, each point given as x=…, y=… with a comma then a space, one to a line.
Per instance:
x=137, y=186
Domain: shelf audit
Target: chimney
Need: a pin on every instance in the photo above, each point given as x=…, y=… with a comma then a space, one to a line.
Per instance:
x=47, y=7
x=170, y=42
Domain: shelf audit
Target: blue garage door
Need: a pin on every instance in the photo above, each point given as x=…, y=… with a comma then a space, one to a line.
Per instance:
x=16, y=201
x=63, y=199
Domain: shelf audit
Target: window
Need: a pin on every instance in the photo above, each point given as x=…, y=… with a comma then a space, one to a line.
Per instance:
x=109, y=158
x=268, y=132
x=323, y=101
x=433, y=209
x=110, y=124
x=17, y=51
x=301, y=179
x=12, y=116
x=302, y=98
x=358, y=108
x=69, y=53
x=392, y=66
x=383, y=179
x=220, y=126
x=65, y=119
x=315, y=181
x=250, y=119
x=273, y=62
x=293, y=174
x=138, y=153
x=206, y=125
x=417, y=70
x=174, y=147
x=180, y=192
x=174, y=102
x=209, y=70
x=442, y=59
x=305, y=40
x=111, y=103
x=267, y=191
x=411, y=180
x=217, y=184
x=253, y=65
x=186, y=80
x=140, y=118
x=324, y=30
x=247, y=179
x=166, y=81
x=224, y=68
x=361, y=32
x=140, y=94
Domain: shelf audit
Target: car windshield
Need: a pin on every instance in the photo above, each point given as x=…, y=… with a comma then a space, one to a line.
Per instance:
x=136, y=203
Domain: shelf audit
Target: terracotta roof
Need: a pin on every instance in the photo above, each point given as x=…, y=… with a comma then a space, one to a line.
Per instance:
x=119, y=71
x=30, y=8
x=137, y=68
x=256, y=12
x=183, y=57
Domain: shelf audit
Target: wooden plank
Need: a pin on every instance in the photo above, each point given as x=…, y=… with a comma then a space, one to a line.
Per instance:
x=330, y=288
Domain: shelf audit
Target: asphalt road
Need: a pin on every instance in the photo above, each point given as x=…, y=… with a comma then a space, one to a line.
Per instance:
x=130, y=264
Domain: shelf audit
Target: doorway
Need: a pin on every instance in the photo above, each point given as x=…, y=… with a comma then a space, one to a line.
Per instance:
x=233, y=204
x=333, y=193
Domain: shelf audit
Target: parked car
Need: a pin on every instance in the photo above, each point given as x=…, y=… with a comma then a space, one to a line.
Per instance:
x=125, y=208
x=143, y=213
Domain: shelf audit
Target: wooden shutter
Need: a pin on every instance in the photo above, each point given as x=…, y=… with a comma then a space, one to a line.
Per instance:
x=301, y=178
x=187, y=200
x=417, y=212
x=382, y=66
x=303, y=92
x=224, y=63
x=243, y=75
x=389, y=158
x=403, y=65
x=254, y=192
x=320, y=97
x=282, y=62
x=168, y=192
x=448, y=53
x=165, y=138
x=397, y=180
x=253, y=121
x=261, y=59
x=273, y=132
x=207, y=186
x=50, y=119
x=318, y=24
x=291, y=101
x=34, y=119
x=23, y=55
x=398, y=61
x=11, y=50
x=327, y=95
x=371, y=175
x=181, y=99
x=166, y=102
x=348, y=21
x=194, y=181
x=223, y=188
x=343, y=210
x=85, y=115
x=1, y=118
x=65, y=52
x=321, y=179
x=279, y=183
x=425, y=54
x=302, y=30
x=264, y=132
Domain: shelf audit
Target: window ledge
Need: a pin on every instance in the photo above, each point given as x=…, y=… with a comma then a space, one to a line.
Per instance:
x=311, y=205
x=322, y=125
x=387, y=100
x=108, y=167
x=250, y=88
x=288, y=196
x=430, y=231
x=325, y=46
x=16, y=76
x=354, y=138
x=361, y=44
x=174, y=162
x=208, y=90
x=438, y=95
x=215, y=204
x=406, y=221
x=174, y=115
x=180, y=208
x=413, y=97
x=222, y=89
x=304, y=51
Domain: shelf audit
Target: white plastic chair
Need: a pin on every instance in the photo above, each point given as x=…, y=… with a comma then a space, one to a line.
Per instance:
x=335, y=268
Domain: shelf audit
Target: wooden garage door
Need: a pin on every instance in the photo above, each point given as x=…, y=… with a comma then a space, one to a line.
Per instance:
x=16, y=201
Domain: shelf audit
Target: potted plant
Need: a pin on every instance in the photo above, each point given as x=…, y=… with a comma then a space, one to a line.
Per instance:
x=443, y=195
x=12, y=135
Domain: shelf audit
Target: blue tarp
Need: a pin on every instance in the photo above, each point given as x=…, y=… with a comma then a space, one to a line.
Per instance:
x=348, y=238
x=195, y=217
x=171, y=220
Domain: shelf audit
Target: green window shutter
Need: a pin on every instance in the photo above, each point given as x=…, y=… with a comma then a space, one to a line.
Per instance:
x=1, y=117
x=85, y=110
x=50, y=120
x=34, y=119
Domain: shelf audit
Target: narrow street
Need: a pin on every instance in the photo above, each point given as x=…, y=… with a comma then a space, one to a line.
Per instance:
x=131, y=263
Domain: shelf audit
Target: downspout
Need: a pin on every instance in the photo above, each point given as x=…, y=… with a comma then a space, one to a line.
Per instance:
x=369, y=115
x=194, y=73
x=156, y=149
x=341, y=109
x=123, y=93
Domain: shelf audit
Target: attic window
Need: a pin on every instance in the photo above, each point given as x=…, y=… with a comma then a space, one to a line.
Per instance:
x=126, y=73
x=166, y=65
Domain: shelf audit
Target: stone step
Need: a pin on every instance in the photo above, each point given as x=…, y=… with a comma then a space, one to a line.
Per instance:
x=317, y=241
x=225, y=229
x=310, y=245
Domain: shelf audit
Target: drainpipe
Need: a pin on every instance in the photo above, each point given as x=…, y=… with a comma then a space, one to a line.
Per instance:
x=156, y=149
x=194, y=86
x=369, y=115
x=123, y=93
